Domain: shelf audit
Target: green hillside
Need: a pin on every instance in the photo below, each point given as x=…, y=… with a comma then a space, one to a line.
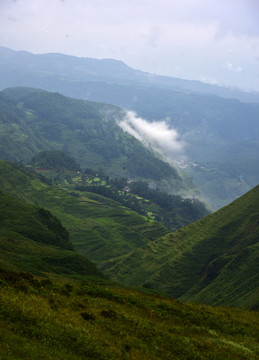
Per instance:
x=68, y=310
x=34, y=120
x=218, y=131
x=54, y=160
x=63, y=319
x=32, y=239
x=99, y=228
x=213, y=261
x=55, y=303
x=54, y=315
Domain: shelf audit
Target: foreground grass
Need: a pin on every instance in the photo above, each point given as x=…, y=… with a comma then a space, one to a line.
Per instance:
x=68, y=319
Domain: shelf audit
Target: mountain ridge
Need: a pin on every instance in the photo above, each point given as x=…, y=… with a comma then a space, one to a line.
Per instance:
x=120, y=72
x=206, y=122
x=40, y=120
x=213, y=260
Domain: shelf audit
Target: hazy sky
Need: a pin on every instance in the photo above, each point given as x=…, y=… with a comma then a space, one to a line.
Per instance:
x=215, y=41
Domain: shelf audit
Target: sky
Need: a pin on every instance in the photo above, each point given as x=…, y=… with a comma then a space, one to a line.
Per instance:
x=215, y=41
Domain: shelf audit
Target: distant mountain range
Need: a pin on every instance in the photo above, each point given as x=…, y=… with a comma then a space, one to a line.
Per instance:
x=21, y=68
x=220, y=132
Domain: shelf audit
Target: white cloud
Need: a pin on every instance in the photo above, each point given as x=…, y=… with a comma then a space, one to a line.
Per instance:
x=157, y=135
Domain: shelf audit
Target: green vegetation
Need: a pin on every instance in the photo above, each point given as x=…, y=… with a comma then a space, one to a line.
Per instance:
x=68, y=310
x=213, y=261
x=55, y=303
x=32, y=239
x=62, y=318
x=204, y=261
x=173, y=211
x=55, y=160
x=99, y=228
x=217, y=129
x=34, y=120
x=32, y=222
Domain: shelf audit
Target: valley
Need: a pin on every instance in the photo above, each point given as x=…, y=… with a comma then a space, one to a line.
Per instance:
x=117, y=242
x=218, y=125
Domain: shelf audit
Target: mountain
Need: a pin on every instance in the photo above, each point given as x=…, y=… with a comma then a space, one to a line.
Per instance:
x=74, y=76
x=221, y=140
x=68, y=310
x=218, y=131
x=56, y=305
x=99, y=228
x=54, y=160
x=32, y=239
x=171, y=210
x=202, y=262
x=35, y=120
x=213, y=261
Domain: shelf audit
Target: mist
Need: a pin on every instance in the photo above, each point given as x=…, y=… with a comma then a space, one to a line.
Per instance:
x=157, y=135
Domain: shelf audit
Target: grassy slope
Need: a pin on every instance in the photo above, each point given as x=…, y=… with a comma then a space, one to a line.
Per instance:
x=31, y=239
x=99, y=228
x=211, y=261
x=66, y=319
x=63, y=318
x=214, y=260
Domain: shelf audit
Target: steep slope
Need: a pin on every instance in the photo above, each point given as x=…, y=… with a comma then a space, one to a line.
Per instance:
x=34, y=120
x=221, y=137
x=65, y=319
x=99, y=228
x=60, y=317
x=32, y=239
x=214, y=261
x=54, y=160
x=218, y=131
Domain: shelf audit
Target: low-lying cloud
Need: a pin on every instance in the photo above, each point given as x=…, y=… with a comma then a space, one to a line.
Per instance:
x=157, y=134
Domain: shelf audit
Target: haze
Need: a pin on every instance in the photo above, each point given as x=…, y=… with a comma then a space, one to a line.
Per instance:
x=207, y=40
x=157, y=134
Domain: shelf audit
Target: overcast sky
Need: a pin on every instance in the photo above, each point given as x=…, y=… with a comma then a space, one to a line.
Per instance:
x=215, y=41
